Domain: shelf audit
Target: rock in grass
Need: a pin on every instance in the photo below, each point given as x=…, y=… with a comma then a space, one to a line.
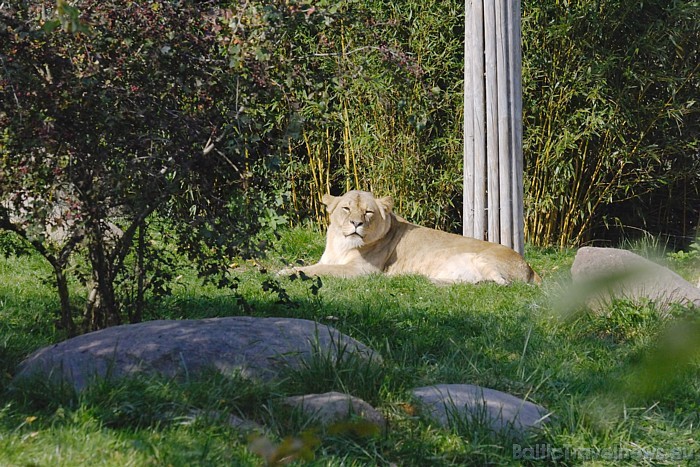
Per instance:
x=334, y=408
x=611, y=273
x=454, y=404
x=256, y=347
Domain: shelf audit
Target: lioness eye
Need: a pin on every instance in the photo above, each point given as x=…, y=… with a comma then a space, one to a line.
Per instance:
x=346, y=209
x=369, y=213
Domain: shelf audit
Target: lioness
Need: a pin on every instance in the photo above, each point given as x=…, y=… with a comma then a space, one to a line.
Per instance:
x=365, y=237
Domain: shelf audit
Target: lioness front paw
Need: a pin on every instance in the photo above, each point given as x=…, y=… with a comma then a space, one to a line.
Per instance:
x=286, y=272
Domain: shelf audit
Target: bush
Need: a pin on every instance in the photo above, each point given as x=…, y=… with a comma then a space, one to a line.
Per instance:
x=117, y=116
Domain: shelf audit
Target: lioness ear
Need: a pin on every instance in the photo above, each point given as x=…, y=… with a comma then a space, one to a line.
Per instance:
x=385, y=204
x=330, y=201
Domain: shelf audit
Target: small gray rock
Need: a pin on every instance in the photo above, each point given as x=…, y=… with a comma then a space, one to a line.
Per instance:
x=501, y=412
x=256, y=347
x=333, y=407
x=625, y=275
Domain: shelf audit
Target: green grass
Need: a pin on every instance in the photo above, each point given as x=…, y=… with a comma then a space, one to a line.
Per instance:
x=586, y=369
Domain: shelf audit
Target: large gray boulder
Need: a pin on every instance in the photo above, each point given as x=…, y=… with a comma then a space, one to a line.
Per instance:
x=500, y=412
x=256, y=347
x=612, y=273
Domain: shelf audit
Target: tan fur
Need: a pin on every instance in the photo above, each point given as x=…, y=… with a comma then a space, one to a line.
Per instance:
x=365, y=237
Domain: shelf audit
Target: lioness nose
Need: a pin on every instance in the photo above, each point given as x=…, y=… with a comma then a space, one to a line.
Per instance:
x=356, y=223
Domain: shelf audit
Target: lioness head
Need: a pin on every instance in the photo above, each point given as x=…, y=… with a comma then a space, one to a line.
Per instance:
x=359, y=217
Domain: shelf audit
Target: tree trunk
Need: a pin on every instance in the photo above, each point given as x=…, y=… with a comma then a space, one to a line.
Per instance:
x=101, y=309
x=140, y=273
x=66, y=314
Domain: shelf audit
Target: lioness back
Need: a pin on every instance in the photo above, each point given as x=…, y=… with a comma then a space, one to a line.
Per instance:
x=447, y=257
x=364, y=236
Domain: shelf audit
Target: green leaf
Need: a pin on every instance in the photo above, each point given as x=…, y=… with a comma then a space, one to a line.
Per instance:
x=50, y=26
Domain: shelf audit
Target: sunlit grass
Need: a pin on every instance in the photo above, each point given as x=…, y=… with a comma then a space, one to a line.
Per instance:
x=514, y=339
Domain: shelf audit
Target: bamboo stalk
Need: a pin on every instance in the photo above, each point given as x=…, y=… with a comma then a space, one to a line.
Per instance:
x=346, y=146
x=516, y=115
x=328, y=161
x=491, y=120
x=469, y=126
x=479, y=105
x=314, y=185
x=503, y=126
